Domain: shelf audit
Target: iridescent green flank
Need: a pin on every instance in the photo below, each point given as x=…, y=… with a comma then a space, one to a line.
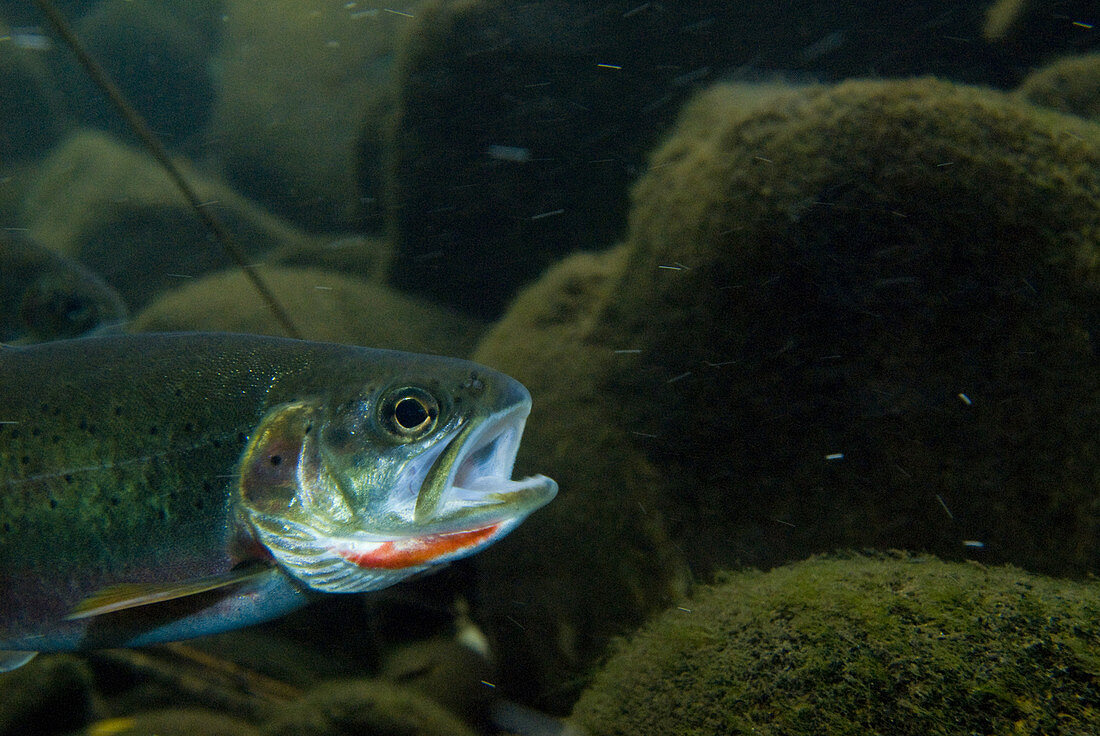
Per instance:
x=98, y=452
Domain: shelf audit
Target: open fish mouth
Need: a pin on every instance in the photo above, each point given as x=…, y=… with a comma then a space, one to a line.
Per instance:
x=466, y=500
x=470, y=483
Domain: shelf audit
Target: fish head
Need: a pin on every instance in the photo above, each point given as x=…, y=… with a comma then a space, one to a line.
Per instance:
x=385, y=478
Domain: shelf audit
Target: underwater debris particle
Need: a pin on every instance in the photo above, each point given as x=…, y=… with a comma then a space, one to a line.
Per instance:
x=835, y=456
x=515, y=154
x=944, y=505
x=551, y=213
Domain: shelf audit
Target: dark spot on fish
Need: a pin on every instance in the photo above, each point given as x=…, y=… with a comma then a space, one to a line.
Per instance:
x=7, y=527
x=113, y=500
x=53, y=503
x=83, y=423
x=153, y=429
x=309, y=428
x=275, y=460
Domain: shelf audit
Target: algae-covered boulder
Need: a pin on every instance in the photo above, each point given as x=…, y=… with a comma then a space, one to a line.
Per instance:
x=1031, y=29
x=173, y=722
x=34, y=112
x=46, y=296
x=50, y=694
x=114, y=209
x=520, y=126
x=323, y=305
x=367, y=707
x=592, y=564
x=1069, y=85
x=909, y=646
x=158, y=55
x=847, y=316
x=299, y=78
x=865, y=315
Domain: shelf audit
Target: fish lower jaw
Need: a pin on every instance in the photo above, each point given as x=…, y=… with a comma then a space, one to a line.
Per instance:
x=362, y=561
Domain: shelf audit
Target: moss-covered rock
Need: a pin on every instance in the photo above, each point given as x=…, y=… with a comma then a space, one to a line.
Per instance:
x=173, y=722
x=114, y=209
x=46, y=296
x=362, y=707
x=899, y=645
x=324, y=306
x=365, y=257
x=846, y=316
x=520, y=126
x=865, y=315
x=1069, y=85
x=593, y=563
x=1034, y=29
x=298, y=79
x=448, y=672
x=34, y=111
x=158, y=55
x=49, y=695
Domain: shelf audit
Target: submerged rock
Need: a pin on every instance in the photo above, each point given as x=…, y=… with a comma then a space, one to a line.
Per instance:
x=33, y=109
x=157, y=53
x=46, y=296
x=909, y=646
x=299, y=78
x=324, y=305
x=52, y=694
x=366, y=707
x=116, y=210
x=866, y=315
x=1069, y=85
x=520, y=126
x=173, y=722
x=595, y=562
x=851, y=316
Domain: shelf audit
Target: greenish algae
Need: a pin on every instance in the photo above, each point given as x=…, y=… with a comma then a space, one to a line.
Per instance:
x=900, y=645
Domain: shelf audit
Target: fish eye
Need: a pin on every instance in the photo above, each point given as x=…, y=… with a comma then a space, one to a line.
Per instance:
x=410, y=412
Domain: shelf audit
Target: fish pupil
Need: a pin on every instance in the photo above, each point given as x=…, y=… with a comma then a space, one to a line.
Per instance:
x=410, y=414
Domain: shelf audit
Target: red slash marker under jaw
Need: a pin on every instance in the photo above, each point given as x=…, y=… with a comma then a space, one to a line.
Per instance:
x=414, y=551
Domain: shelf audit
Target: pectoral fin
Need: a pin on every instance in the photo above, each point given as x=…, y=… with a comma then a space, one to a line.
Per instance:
x=10, y=660
x=132, y=595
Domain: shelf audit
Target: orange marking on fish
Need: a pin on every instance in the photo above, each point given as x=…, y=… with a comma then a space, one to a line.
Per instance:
x=401, y=553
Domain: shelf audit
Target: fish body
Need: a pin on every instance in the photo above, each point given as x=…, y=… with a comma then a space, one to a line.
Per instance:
x=164, y=486
x=46, y=296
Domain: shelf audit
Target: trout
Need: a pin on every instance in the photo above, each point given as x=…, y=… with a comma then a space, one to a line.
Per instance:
x=160, y=487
